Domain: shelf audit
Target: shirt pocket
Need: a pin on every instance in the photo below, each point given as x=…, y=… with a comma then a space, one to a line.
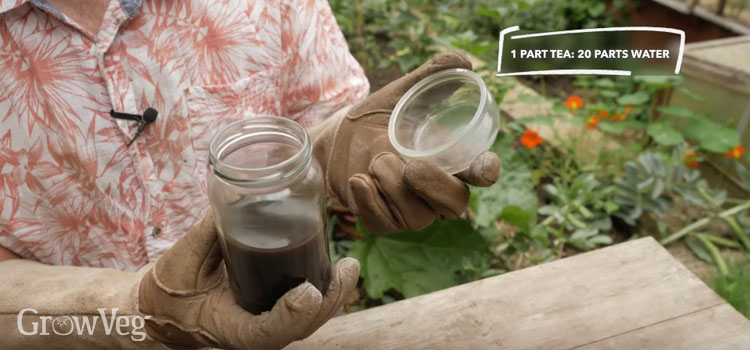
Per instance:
x=79, y=224
x=214, y=106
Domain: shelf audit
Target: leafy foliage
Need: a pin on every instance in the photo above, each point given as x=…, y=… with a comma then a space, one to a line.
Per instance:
x=515, y=187
x=735, y=286
x=549, y=197
x=711, y=136
x=582, y=207
x=447, y=253
x=650, y=182
x=410, y=28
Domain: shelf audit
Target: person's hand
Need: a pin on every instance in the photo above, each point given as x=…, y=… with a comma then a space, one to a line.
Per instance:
x=191, y=306
x=365, y=174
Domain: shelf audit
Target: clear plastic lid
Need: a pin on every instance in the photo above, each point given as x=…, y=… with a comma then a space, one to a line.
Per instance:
x=449, y=118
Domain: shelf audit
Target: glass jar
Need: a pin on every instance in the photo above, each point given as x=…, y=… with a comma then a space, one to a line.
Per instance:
x=266, y=190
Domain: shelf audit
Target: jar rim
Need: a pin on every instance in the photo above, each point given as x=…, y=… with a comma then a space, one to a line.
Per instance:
x=254, y=176
x=427, y=83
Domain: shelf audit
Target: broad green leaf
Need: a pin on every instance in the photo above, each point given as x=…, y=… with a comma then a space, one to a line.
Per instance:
x=418, y=262
x=659, y=82
x=611, y=207
x=484, y=11
x=407, y=62
x=698, y=249
x=677, y=111
x=542, y=119
x=634, y=99
x=518, y=217
x=664, y=134
x=490, y=233
x=599, y=239
x=605, y=83
x=722, y=142
x=691, y=95
x=613, y=128
x=609, y=93
x=583, y=234
x=597, y=9
x=744, y=173
x=529, y=98
x=712, y=136
x=514, y=187
x=635, y=124
x=559, y=109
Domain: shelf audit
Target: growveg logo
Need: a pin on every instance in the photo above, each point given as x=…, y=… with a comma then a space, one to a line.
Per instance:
x=111, y=323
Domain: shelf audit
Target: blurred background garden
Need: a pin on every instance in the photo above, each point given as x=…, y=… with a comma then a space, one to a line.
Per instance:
x=588, y=161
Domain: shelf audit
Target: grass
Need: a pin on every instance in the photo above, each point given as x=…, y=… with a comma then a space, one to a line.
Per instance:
x=735, y=286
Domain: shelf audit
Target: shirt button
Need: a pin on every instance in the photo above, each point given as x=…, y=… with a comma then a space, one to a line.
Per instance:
x=156, y=232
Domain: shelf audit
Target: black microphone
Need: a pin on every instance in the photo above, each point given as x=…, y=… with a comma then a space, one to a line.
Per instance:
x=148, y=117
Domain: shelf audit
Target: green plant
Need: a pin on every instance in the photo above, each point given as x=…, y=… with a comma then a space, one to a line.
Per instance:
x=447, y=253
x=631, y=153
x=660, y=123
x=515, y=187
x=734, y=285
x=410, y=28
x=744, y=172
x=580, y=211
x=649, y=183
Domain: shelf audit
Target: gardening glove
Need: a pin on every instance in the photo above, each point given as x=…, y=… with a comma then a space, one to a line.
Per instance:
x=365, y=174
x=184, y=298
x=192, y=306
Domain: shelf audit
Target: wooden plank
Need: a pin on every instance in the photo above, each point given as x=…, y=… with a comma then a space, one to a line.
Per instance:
x=559, y=305
x=718, y=327
x=722, y=62
x=706, y=14
x=701, y=45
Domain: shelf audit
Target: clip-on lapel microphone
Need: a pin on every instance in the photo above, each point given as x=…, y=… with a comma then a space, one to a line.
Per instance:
x=148, y=117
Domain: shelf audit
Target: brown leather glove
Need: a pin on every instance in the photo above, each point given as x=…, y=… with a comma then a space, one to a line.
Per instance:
x=191, y=305
x=365, y=174
x=184, y=299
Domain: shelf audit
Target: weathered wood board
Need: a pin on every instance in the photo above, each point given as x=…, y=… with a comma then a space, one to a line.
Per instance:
x=634, y=295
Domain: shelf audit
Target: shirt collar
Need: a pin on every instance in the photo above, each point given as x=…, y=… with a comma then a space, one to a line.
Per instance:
x=130, y=7
x=7, y=5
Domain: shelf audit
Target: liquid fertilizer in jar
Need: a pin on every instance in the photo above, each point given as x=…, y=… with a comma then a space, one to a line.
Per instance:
x=267, y=193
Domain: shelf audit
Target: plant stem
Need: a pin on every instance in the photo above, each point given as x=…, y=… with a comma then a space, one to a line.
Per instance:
x=573, y=220
x=731, y=222
x=651, y=112
x=702, y=222
x=723, y=242
x=735, y=200
x=738, y=231
x=707, y=198
x=547, y=220
x=715, y=254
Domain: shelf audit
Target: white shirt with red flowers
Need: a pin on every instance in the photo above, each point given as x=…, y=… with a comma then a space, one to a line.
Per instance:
x=71, y=191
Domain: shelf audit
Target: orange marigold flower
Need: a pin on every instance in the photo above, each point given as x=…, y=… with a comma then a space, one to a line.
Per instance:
x=530, y=139
x=593, y=122
x=691, y=160
x=574, y=103
x=603, y=113
x=618, y=116
x=628, y=109
x=735, y=153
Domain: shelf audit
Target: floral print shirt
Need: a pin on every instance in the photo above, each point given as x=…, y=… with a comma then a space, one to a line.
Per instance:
x=71, y=191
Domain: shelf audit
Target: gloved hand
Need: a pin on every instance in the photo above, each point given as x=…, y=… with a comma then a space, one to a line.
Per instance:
x=365, y=174
x=191, y=305
x=185, y=295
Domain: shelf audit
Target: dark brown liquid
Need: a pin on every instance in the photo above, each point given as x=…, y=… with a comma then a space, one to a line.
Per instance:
x=258, y=276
